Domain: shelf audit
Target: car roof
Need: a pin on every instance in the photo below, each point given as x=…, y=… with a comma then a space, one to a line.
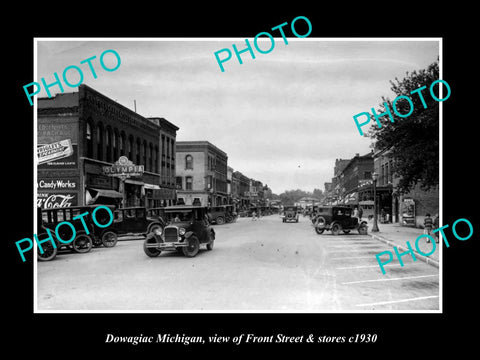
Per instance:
x=184, y=207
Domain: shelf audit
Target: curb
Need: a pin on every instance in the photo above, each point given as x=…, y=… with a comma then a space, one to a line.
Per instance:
x=423, y=258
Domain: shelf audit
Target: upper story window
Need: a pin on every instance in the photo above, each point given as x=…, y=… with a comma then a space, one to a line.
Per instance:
x=189, y=162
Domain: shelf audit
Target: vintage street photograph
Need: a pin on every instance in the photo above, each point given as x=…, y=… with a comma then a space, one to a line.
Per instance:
x=234, y=175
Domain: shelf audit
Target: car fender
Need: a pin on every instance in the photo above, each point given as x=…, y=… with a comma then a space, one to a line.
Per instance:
x=188, y=234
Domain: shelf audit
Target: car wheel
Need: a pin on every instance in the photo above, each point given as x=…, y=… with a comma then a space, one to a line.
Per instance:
x=109, y=239
x=220, y=220
x=82, y=243
x=346, y=231
x=363, y=229
x=319, y=231
x=49, y=252
x=336, y=229
x=229, y=219
x=210, y=245
x=151, y=252
x=193, y=247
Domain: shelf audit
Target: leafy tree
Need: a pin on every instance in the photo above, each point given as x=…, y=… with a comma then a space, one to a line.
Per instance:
x=413, y=140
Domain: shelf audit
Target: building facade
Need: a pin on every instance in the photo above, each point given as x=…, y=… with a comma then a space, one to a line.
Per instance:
x=201, y=174
x=394, y=206
x=95, y=132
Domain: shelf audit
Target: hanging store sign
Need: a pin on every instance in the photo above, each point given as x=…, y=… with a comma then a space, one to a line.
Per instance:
x=123, y=168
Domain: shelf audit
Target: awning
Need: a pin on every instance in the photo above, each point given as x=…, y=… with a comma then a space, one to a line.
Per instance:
x=106, y=193
x=151, y=186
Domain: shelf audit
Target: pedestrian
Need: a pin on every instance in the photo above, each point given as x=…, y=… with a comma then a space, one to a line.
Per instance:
x=254, y=215
x=436, y=226
x=427, y=225
x=355, y=212
x=360, y=213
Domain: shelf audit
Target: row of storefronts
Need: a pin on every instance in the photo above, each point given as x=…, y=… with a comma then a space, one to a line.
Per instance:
x=93, y=150
x=353, y=184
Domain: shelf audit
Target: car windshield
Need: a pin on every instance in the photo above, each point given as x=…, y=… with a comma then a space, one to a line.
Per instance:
x=178, y=216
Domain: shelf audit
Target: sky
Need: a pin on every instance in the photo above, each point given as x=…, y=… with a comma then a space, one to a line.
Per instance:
x=282, y=118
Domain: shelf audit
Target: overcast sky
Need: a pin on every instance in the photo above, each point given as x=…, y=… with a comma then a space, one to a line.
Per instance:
x=282, y=118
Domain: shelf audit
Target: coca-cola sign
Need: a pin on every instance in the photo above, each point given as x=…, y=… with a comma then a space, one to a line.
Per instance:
x=49, y=200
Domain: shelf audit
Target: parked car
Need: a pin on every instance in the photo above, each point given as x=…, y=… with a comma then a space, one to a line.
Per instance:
x=187, y=227
x=290, y=213
x=222, y=214
x=336, y=219
x=83, y=239
x=135, y=220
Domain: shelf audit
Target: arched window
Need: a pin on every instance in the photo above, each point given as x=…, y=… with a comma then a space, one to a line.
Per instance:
x=89, y=137
x=130, y=147
x=144, y=153
x=189, y=162
x=109, y=145
x=99, y=139
x=122, y=144
x=137, y=157
x=150, y=157
x=115, y=141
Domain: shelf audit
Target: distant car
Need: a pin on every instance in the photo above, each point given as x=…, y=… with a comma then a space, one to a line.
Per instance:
x=187, y=227
x=222, y=214
x=135, y=220
x=337, y=219
x=290, y=213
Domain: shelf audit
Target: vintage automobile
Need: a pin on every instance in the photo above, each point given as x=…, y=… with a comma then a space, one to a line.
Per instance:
x=187, y=227
x=336, y=219
x=135, y=220
x=83, y=241
x=290, y=213
x=222, y=214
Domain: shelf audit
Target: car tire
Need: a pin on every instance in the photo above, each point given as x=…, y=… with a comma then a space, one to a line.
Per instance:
x=82, y=243
x=335, y=229
x=109, y=238
x=346, y=231
x=193, y=247
x=220, y=220
x=319, y=231
x=149, y=251
x=49, y=252
x=229, y=219
x=363, y=228
x=210, y=245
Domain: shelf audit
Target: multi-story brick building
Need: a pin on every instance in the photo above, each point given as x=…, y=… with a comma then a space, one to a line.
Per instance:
x=94, y=132
x=404, y=208
x=201, y=170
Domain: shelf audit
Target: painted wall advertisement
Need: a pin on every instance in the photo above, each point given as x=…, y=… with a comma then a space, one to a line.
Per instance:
x=53, y=193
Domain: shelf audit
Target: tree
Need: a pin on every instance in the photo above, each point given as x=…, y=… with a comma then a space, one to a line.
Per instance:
x=413, y=140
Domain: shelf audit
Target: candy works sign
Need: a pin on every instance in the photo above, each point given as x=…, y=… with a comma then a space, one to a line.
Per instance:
x=123, y=168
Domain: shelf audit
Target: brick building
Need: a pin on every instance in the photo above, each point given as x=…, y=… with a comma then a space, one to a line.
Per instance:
x=93, y=132
x=201, y=173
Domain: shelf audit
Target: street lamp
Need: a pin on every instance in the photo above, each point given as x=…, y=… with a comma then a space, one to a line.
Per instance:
x=375, y=225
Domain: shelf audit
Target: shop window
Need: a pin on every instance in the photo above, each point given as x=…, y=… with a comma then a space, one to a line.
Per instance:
x=155, y=159
x=188, y=183
x=189, y=162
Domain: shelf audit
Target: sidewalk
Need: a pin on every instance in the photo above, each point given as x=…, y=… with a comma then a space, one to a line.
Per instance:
x=397, y=235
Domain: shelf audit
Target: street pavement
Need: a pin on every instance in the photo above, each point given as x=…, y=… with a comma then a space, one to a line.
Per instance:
x=255, y=266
